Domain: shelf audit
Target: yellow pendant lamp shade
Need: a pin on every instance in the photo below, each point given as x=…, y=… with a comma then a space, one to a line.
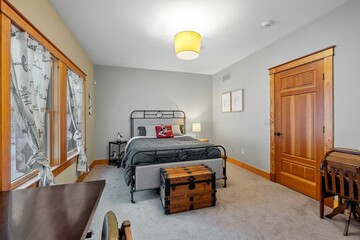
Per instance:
x=187, y=45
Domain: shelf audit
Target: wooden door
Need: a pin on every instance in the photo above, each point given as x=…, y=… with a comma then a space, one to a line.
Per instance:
x=299, y=127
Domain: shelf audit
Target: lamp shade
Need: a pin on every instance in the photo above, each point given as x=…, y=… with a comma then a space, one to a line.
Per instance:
x=196, y=127
x=187, y=45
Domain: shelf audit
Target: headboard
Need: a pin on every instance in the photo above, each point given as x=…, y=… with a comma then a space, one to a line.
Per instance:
x=155, y=117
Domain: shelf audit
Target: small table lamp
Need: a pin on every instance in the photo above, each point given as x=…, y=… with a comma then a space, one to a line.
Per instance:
x=196, y=127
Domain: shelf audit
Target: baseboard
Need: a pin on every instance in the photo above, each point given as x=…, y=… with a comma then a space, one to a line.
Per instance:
x=101, y=161
x=229, y=159
x=250, y=168
x=92, y=165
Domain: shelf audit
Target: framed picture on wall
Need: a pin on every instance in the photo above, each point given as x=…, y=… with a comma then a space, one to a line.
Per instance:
x=226, y=102
x=237, y=100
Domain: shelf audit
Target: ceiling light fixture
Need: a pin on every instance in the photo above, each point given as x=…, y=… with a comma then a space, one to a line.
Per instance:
x=187, y=45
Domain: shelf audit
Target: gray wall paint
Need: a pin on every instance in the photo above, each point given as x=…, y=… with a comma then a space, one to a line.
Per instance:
x=119, y=91
x=250, y=129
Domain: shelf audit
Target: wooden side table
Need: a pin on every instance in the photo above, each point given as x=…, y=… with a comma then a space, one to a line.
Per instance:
x=203, y=139
x=121, y=153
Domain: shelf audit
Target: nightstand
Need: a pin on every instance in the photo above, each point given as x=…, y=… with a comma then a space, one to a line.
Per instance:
x=203, y=139
x=121, y=153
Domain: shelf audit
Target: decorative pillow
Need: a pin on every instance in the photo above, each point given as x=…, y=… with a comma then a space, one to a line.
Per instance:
x=176, y=130
x=164, y=132
x=142, y=131
x=150, y=130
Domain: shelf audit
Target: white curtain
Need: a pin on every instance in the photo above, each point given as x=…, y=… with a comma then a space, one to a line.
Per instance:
x=30, y=77
x=75, y=98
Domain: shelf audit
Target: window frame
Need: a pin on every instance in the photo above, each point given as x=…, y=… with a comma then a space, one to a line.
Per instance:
x=58, y=149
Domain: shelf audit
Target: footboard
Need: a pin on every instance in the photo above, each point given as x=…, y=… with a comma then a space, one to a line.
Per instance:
x=145, y=177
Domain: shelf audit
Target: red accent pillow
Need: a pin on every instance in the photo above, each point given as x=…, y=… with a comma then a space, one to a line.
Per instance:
x=164, y=132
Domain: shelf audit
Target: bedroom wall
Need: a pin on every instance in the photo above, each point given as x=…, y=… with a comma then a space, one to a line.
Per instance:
x=45, y=18
x=120, y=90
x=250, y=130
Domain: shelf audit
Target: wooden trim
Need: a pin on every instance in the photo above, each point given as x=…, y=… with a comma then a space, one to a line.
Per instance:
x=84, y=175
x=62, y=111
x=59, y=169
x=23, y=179
x=326, y=54
x=272, y=177
x=272, y=127
x=56, y=101
x=56, y=171
x=5, y=116
x=53, y=157
x=102, y=161
x=250, y=168
x=92, y=165
x=34, y=185
x=312, y=57
x=23, y=23
x=62, y=167
x=328, y=103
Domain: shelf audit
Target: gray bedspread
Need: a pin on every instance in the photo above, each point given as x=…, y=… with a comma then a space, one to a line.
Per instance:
x=175, y=150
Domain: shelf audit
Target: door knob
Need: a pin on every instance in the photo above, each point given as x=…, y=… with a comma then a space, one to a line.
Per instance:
x=277, y=133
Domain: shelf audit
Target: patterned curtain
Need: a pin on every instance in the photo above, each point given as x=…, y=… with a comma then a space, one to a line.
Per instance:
x=30, y=77
x=75, y=98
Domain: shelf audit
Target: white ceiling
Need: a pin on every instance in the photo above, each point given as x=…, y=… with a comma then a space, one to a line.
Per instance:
x=139, y=33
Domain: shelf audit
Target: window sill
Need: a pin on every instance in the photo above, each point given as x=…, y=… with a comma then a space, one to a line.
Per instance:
x=63, y=166
x=72, y=154
x=56, y=170
x=32, y=182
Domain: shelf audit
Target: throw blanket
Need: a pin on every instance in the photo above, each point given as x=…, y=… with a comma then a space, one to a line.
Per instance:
x=175, y=151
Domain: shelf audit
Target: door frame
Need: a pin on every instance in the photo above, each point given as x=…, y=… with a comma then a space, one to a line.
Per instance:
x=327, y=55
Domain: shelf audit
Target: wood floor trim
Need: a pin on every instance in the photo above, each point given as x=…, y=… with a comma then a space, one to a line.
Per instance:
x=250, y=168
x=236, y=162
x=92, y=165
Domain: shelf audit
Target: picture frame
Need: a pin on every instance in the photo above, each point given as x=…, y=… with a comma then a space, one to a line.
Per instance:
x=237, y=100
x=226, y=102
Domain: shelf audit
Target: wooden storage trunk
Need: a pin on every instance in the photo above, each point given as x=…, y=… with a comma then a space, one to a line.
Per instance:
x=187, y=188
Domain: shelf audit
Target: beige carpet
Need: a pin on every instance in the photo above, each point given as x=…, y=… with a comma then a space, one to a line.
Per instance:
x=249, y=208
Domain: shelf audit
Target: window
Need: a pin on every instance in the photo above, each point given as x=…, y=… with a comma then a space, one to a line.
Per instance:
x=33, y=116
x=74, y=111
x=31, y=102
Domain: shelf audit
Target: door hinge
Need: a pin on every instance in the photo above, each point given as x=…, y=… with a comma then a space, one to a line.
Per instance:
x=323, y=76
x=323, y=129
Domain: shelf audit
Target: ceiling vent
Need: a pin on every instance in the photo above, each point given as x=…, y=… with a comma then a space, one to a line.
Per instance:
x=226, y=77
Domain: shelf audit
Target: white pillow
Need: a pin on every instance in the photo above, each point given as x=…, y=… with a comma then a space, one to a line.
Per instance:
x=176, y=130
x=150, y=130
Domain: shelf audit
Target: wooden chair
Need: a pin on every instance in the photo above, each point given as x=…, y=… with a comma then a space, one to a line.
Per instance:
x=111, y=229
x=341, y=177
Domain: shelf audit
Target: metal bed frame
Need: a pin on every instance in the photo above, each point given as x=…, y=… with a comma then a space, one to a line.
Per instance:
x=167, y=114
x=156, y=114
